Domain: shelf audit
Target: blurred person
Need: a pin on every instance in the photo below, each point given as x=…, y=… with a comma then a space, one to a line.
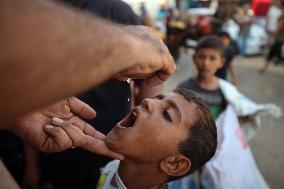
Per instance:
x=276, y=50
x=143, y=12
x=273, y=14
x=81, y=165
x=208, y=58
x=162, y=13
x=159, y=140
x=230, y=52
x=244, y=18
x=204, y=22
x=178, y=30
x=67, y=39
x=226, y=105
x=162, y=19
x=223, y=15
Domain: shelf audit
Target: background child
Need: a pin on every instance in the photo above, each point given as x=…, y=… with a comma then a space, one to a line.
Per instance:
x=233, y=156
x=208, y=58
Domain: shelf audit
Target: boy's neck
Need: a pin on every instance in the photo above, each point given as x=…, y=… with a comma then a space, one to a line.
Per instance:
x=208, y=83
x=140, y=175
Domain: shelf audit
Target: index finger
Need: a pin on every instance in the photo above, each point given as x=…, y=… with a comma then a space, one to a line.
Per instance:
x=80, y=108
x=99, y=147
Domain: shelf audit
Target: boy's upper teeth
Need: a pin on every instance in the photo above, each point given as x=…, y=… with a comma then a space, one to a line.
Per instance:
x=135, y=114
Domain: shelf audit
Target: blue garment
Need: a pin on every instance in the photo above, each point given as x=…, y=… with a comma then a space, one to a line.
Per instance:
x=229, y=55
x=188, y=182
x=242, y=42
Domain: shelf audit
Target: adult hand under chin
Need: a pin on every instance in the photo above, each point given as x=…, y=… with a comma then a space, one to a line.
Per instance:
x=85, y=136
x=36, y=128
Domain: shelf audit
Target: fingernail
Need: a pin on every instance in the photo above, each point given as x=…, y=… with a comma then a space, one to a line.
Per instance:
x=57, y=120
x=49, y=126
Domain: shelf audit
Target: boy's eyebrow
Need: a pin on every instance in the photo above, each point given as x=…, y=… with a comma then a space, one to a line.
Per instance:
x=172, y=104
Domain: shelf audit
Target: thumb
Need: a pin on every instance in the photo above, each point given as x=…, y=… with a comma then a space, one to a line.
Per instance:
x=157, y=79
x=80, y=108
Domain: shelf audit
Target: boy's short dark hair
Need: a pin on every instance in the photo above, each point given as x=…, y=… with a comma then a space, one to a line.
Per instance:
x=224, y=34
x=211, y=42
x=201, y=143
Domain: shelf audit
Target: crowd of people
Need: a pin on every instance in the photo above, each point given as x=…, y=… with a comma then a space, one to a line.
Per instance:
x=251, y=33
x=81, y=86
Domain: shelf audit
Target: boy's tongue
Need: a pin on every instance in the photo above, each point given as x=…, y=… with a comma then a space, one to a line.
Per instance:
x=129, y=120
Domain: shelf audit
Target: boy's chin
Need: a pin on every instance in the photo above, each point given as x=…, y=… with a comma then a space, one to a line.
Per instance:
x=110, y=140
x=113, y=144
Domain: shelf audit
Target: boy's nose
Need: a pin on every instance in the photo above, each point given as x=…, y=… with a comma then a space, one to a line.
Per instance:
x=147, y=104
x=206, y=62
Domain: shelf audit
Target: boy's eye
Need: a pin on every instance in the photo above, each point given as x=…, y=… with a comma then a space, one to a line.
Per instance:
x=212, y=58
x=167, y=116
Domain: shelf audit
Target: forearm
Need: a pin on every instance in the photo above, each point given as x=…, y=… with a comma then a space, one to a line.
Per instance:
x=6, y=180
x=48, y=52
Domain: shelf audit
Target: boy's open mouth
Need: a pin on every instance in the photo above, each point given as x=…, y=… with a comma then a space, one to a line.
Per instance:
x=130, y=119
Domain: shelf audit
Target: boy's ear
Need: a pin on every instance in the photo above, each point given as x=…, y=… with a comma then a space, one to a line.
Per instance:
x=177, y=165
